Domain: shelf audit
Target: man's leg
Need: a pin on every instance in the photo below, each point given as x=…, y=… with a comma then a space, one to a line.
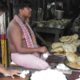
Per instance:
x=29, y=61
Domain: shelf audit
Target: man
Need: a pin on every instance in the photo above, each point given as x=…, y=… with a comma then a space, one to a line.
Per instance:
x=3, y=7
x=23, y=46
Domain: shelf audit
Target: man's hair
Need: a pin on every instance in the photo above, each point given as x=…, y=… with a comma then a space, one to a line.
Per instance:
x=20, y=4
x=3, y=6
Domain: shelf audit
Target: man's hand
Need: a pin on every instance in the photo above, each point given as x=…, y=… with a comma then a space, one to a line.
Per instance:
x=42, y=49
x=11, y=73
x=14, y=72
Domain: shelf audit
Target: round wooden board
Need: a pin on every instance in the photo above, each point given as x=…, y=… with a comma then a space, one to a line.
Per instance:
x=72, y=65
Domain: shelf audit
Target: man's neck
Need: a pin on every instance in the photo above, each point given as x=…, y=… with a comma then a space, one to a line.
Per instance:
x=22, y=18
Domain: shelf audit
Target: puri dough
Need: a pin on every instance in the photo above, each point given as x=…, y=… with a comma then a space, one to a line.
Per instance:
x=69, y=48
x=75, y=36
x=59, y=49
x=71, y=57
x=56, y=45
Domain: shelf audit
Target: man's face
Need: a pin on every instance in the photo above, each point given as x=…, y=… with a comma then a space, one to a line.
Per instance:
x=27, y=11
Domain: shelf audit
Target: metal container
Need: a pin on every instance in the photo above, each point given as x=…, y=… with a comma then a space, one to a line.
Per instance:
x=59, y=14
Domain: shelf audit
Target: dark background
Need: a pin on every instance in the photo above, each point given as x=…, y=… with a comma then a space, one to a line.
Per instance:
x=71, y=7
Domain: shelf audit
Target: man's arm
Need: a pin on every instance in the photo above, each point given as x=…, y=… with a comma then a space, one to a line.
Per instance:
x=8, y=72
x=2, y=69
x=16, y=37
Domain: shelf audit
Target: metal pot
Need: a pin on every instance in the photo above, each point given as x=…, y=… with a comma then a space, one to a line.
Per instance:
x=59, y=14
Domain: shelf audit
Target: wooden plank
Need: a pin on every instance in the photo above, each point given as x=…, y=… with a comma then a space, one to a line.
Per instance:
x=9, y=78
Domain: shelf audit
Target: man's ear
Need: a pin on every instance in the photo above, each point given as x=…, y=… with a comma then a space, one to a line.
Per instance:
x=20, y=10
